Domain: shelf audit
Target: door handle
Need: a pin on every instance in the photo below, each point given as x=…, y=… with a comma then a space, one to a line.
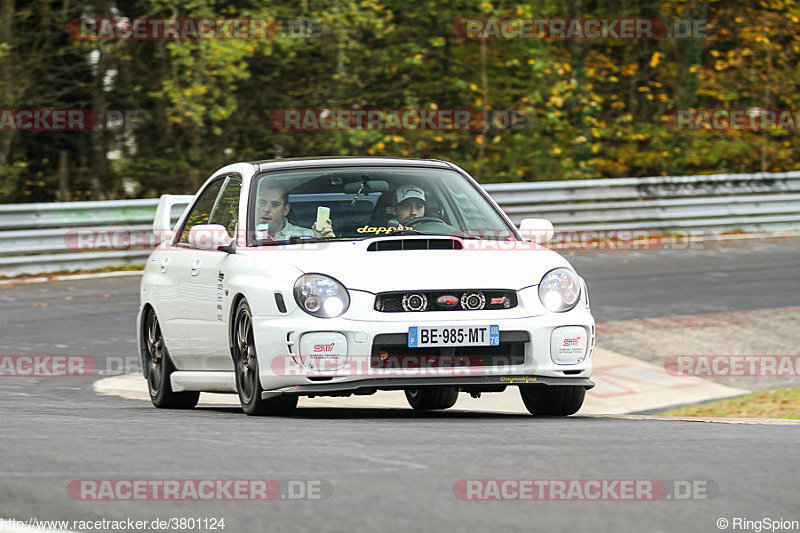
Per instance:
x=165, y=264
x=196, y=266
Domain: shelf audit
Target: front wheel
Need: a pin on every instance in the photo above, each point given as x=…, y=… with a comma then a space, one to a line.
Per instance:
x=246, y=363
x=160, y=368
x=552, y=400
x=428, y=398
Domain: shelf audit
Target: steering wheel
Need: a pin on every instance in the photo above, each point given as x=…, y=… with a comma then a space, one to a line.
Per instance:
x=421, y=220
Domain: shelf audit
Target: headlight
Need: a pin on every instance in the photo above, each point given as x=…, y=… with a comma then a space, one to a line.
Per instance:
x=321, y=296
x=560, y=290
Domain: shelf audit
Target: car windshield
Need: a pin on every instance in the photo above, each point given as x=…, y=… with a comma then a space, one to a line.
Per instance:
x=362, y=202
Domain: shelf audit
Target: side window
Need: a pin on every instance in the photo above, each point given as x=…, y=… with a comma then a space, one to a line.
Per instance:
x=226, y=212
x=201, y=210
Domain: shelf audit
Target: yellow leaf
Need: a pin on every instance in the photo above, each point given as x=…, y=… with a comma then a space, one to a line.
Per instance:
x=655, y=59
x=556, y=150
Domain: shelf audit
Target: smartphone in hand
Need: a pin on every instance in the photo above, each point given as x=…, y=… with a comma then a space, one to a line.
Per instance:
x=323, y=214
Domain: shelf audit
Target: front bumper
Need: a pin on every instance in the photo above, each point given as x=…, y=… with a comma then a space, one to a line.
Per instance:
x=284, y=369
x=354, y=386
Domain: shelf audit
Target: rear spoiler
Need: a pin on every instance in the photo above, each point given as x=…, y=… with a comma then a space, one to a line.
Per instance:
x=171, y=207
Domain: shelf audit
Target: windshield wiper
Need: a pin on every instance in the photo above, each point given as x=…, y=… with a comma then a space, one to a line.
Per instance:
x=416, y=232
x=407, y=232
x=299, y=239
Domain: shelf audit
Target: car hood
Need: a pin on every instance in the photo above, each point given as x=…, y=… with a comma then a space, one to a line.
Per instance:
x=481, y=264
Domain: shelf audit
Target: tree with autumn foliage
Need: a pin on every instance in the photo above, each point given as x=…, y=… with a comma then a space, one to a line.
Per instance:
x=592, y=108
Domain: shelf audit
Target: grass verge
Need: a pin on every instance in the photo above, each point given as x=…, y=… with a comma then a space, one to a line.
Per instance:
x=778, y=403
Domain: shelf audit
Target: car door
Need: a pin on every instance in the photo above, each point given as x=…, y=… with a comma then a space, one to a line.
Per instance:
x=178, y=324
x=207, y=293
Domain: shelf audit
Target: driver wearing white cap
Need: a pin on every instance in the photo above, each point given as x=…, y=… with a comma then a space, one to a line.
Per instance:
x=409, y=204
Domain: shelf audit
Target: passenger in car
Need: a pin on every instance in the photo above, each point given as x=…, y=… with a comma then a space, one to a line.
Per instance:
x=272, y=207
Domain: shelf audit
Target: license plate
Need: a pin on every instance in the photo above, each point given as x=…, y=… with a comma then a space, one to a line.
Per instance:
x=419, y=336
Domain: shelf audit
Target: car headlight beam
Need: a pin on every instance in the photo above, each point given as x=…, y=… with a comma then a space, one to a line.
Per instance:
x=560, y=290
x=321, y=296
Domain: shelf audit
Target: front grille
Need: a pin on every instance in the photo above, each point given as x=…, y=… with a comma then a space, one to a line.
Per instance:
x=460, y=300
x=392, y=351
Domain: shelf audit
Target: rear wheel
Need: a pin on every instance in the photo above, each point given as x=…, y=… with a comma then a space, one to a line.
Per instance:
x=160, y=368
x=246, y=363
x=428, y=398
x=552, y=400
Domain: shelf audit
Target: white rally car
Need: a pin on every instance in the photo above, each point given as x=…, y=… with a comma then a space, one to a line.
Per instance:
x=339, y=276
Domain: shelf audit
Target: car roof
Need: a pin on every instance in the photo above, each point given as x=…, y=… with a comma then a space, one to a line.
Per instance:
x=308, y=162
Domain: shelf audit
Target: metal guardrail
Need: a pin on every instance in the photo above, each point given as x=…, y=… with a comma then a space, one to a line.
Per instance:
x=40, y=238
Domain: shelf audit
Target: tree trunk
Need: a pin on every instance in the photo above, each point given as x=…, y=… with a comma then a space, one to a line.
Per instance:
x=7, y=99
x=64, y=194
x=485, y=98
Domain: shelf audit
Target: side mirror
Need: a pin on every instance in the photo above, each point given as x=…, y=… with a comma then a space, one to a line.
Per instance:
x=210, y=237
x=170, y=207
x=538, y=230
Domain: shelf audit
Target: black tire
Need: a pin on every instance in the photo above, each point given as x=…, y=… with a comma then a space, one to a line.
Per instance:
x=428, y=398
x=245, y=362
x=160, y=368
x=552, y=400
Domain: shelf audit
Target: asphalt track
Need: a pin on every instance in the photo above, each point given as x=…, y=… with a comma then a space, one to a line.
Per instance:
x=393, y=469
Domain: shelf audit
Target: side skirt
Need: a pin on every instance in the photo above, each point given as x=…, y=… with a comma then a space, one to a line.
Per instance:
x=190, y=380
